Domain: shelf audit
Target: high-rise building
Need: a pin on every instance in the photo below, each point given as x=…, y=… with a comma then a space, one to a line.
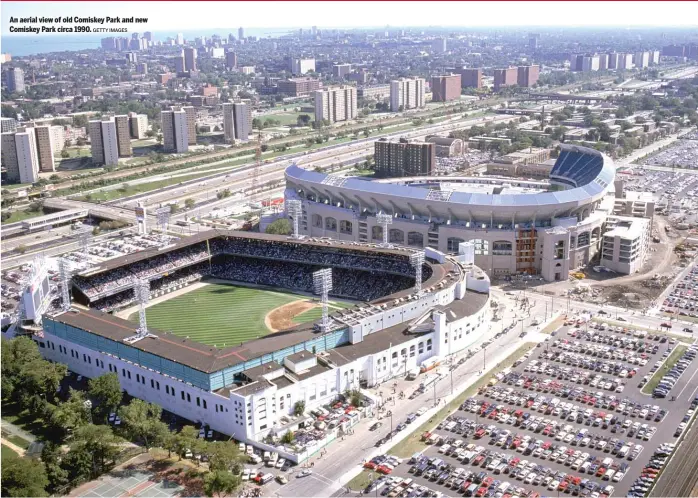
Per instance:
x=302, y=66
x=180, y=65
x=228, y=121
x=438, y=45
x=189, y=59
x=8, y=125
x=613, y=60
x=603, y=62
x=175, y=130
x=104, y=141
x=469, y=77
x=654, y=57
x=241, y=34
x=641, y=59
x=19, y=156
x=335, y=104
x=625, y=61
x=674, y=51
x=527, y=76
x=15, y=80
x=45, y=147
x=142, y=68
x=576, y=62
x=180, y=39
x=341, y=70
x=190, y=112
x=404, y=158
x=123, y=135
x=505, y=77
x=590, y=63
x=138, y=125
x=533, y=40
x=231, y=60
x=445, y=88
x=406, y=93
x=242, y=115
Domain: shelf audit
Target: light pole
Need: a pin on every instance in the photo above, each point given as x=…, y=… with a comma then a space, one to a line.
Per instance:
x=484, y=356
x=390, y=414
x=88, y=407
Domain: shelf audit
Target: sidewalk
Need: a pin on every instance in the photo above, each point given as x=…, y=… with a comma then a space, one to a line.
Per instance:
x=14, y=430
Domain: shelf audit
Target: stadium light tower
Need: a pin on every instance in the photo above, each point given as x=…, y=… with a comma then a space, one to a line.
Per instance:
x=84, y=239
x=64, y=273
x=384, y=220
x=322, y=282
x=417, y=260
x=141, y=291
x=163, y=217
x=294, y=209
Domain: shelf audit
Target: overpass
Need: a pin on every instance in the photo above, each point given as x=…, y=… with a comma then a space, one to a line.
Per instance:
x=97, y=210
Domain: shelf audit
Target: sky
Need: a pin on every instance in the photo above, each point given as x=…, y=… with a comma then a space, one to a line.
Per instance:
x=192, y=15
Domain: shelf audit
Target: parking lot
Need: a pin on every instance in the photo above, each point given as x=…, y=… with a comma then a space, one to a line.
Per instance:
x=570, y=417
x=683, y=298
x=681, y=154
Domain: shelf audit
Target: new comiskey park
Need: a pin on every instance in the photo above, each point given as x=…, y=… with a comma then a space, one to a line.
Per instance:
x=439, y=250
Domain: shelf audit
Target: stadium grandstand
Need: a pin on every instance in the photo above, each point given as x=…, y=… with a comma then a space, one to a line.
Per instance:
x=530, y=227
x=249, y=390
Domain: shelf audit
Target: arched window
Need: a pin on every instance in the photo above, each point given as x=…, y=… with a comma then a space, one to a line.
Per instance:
x=452, y=244
x=412, y=350
x=595, y=234
x=317, y=220
x=428, y=344
x=330, y=224
x=403, y=352
x=377, y=233
x=583, y=239
x=345, y=226
x=559, y=250
x=421, y=347
x=415, y=239
x=501, y=248
x=573, y=242
x=397, y=236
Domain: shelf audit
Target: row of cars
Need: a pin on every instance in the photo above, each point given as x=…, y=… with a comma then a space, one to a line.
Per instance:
x=411, y=417
x=649, y=473
x=671, y=377
x=683, y=299
x=548, y=427
x=604, y=342
x=497, y=465
x=557, y=407
x=581, y=360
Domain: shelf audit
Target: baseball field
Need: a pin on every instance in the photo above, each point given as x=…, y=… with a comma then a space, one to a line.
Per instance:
x=220, y=314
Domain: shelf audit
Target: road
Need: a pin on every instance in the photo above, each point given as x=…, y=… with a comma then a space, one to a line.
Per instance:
x=648, y=150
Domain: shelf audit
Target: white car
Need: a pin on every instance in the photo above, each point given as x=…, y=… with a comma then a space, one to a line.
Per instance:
x=280, y=463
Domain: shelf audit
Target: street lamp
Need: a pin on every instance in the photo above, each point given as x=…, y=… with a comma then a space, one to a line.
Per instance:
x=390, y=414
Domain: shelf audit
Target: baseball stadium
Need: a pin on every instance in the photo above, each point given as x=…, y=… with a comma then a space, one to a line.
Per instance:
x=232, y=335
x=518, y=226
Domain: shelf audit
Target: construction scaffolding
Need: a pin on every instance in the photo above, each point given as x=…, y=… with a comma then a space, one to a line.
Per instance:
x=417, y=261
x=294, y=209
x=384, y=220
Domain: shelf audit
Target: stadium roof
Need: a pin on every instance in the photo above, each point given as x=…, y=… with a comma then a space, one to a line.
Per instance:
x=585, y=171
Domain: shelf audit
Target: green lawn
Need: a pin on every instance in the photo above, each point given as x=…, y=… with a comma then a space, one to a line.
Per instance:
x=27, y=420
x=287, y=118
x=668, y=365
x=7, y=452
x=74, y=152
x=218, y=313
x=22, y=214
x=118, y=193
x=19, y=441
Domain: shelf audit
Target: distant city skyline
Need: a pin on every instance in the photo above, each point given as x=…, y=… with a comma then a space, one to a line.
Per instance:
x=189, y=16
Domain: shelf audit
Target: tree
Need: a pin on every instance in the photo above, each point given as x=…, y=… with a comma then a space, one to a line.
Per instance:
x=71, y=414
x=287, y=438
x=189, y=203
x=79, y=120
x=280, y=227
x=80, y=141
x=142, y=422
x=64, y=154
x=97, y=444
x=22, y=365
x=106, y=391
x=299, y=408
x=186, y=439
x=223, y=456
x=23, y=477
x=220, y=483
x=52, y=457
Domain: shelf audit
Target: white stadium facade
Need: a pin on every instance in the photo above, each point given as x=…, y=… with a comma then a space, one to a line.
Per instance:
x=545, y=228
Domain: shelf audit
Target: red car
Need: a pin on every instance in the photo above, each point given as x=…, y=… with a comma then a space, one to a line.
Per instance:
x=481, y=491
x=383, y=469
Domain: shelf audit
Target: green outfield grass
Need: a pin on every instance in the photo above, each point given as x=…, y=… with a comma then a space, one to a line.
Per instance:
x=219, y=314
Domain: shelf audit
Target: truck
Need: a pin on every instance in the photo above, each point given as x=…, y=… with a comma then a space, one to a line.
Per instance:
x=430, y=364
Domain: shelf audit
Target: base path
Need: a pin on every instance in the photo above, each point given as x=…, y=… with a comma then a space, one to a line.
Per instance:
x=282, y=317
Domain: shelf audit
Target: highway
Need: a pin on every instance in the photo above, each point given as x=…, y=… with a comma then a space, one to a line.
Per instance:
x=239, y=178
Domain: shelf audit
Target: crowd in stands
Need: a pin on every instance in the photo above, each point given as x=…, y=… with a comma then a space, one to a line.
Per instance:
x=359, y=274
x=181, y=278
x=349, y=283
x=115, y=280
